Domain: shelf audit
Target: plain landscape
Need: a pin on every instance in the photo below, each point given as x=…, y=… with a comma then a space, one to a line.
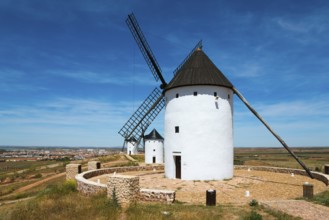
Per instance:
x=37, y=189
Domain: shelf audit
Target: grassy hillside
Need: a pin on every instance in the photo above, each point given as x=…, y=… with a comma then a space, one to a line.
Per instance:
x=62, y=201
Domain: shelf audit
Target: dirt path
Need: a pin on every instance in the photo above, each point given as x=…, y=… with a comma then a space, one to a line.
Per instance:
x=24, y=188
x=30, y=186
x=299, y=208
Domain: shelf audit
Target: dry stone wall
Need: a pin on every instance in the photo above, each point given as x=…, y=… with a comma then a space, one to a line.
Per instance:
x=318, y=176
x=94, y=165
x=88, y=187
x=155, y=195
x=127, y=187
x=124, y=188
x=72, y=170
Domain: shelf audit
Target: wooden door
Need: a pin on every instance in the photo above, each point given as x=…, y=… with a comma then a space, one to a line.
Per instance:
x=178, y=165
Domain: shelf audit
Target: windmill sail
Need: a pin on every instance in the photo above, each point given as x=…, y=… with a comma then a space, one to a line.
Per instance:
x=145, y=48
x=143, y=116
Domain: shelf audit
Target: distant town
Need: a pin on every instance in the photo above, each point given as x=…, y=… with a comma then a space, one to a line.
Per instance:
x=53, y=153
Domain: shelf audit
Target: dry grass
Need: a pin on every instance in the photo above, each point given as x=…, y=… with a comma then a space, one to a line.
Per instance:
x=61, y=201
x=56, y=200
x=314, y=158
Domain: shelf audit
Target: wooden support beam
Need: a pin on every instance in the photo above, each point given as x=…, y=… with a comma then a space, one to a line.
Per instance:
x=271, y=130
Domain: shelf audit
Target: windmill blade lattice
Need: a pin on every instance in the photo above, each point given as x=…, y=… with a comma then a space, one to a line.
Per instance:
x=145, y=48
x=143, y=116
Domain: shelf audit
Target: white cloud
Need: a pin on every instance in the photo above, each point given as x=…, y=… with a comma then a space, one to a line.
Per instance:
x=65, y=121
x=305, y=108
x=312, y=23
x=308, y=29
x=299, y=123
x=115, y=79
x=248, y=69
x=13, y=80
x=64, y=111
x=10, y=75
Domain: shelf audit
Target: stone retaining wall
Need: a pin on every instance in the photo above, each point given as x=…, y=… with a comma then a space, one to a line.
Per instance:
x=156, y=195
x=124, y=183
x=88, y=187
x=126, y=188
x=94, y=165
x=72, y=170
x=318, y=176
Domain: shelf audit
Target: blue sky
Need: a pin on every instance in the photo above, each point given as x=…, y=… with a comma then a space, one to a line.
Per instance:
x=71, y=73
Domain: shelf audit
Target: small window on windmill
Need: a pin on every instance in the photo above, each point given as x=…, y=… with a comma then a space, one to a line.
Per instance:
x=177, y=95
x=195, y=93
x=215, y=94
x=228, y=96
x=153, y=150
x=176, y=129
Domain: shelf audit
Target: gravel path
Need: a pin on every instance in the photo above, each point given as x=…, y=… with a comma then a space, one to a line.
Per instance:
x=262, y=186
x=273, y=190
x=299, y=208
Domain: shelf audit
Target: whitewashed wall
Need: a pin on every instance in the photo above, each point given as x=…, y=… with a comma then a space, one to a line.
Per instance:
x=153, y=148
x=205, y=138
x=131, y=148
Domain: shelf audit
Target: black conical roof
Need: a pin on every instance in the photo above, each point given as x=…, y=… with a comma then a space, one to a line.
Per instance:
x=199, y=70
x=154, y=135
x=132, y=139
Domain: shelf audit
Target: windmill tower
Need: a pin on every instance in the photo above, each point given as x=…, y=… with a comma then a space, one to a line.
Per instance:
x=199, y=122
x=153, y=147
x=131, y=145
x=198, y=117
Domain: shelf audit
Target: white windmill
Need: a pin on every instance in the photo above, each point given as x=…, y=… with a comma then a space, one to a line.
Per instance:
x=131, y=145
x=199, y=122
x=153, y=143
x=198, y=105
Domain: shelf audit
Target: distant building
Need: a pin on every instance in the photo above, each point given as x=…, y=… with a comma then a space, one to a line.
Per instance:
x=131, y=145
x=153, y=147
x=102, y=151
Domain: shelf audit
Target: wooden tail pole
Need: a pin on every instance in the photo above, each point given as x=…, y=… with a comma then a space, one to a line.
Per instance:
x=270, y=129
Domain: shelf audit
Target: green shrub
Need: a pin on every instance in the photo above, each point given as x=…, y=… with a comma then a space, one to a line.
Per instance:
x=253, y=202
x=238, y=162
x=60, y=189
x=114, y=199
x=38, y=175
x=322, y=198
x=253, y=215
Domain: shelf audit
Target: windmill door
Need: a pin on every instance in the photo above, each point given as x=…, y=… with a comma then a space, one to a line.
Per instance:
x=154, y=160
x=178, y=167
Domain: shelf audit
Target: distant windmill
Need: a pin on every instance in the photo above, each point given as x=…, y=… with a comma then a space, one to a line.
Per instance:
x=198, y=117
